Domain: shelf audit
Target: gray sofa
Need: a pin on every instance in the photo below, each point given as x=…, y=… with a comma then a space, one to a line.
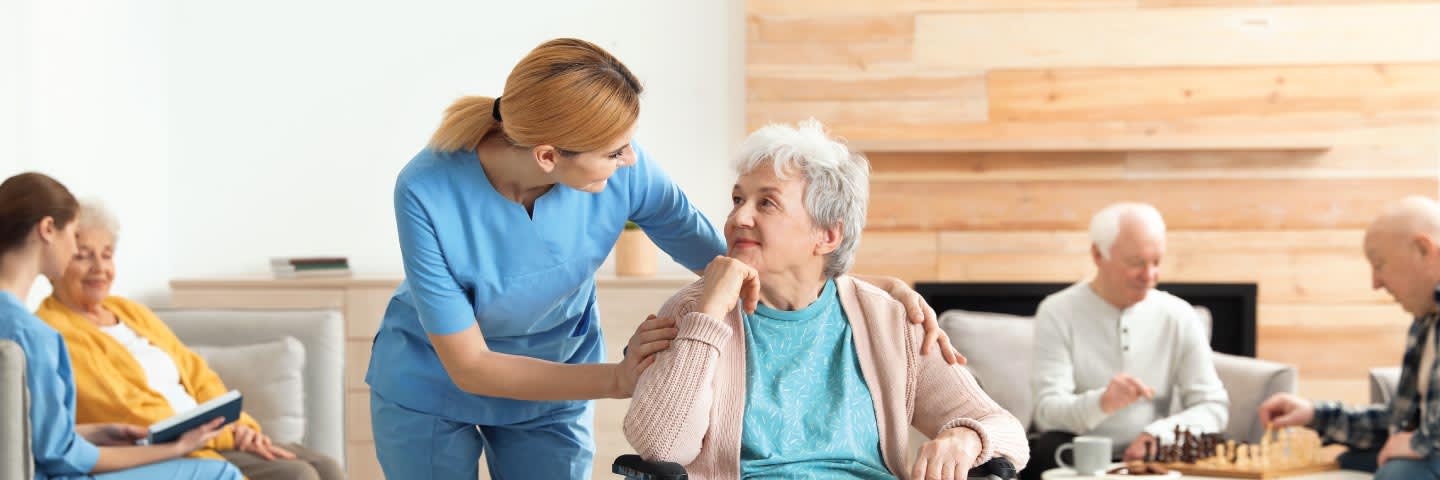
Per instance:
x=1383, y=382
x=220, y=333
x=15, y=460
x=999, y=347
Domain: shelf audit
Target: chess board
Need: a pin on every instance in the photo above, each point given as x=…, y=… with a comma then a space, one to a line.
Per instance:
x=1280, y=453
x=1252, y=472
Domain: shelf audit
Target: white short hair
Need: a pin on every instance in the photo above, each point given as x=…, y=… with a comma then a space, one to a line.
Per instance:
x=1105, y=225
x=93, y=214
x=837, y=180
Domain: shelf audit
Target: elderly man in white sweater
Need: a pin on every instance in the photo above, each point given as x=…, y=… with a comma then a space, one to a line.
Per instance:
x=1112, y=351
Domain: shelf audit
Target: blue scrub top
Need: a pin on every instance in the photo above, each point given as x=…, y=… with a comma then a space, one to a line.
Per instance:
x=472, y=256
x=59, y=452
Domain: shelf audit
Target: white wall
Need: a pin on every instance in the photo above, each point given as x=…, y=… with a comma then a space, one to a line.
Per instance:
x=224, y=133
x=91, y=95
x=11, y=71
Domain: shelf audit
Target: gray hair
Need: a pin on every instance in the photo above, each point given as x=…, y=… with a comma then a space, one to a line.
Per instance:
x=93, y=214
x=837, y=180
x=1105, y=226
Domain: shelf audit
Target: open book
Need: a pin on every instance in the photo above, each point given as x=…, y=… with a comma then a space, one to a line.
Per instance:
x=170, y=429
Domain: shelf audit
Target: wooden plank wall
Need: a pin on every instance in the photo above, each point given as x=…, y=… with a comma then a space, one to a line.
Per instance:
x=1074, y=104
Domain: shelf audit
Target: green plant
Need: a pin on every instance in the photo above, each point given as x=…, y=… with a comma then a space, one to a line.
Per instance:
x=630, y=225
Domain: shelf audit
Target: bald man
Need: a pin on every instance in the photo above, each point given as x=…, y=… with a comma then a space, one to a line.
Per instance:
x=1111, y=352
x=1403, y=246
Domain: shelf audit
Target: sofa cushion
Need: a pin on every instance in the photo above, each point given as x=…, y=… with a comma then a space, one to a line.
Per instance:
x=1383, y=383
x=1248, y=382
x=998, y=348
x=271, y=376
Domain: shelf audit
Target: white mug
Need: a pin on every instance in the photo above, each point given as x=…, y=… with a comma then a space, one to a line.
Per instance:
x=1092, y=455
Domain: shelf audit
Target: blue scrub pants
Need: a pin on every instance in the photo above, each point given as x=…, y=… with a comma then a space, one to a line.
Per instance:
x=178, y=469
x=421, y=446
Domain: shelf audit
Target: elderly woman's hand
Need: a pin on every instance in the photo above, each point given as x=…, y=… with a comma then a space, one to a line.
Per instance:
x=251, y=441
x=728, y=281
x=949, y=456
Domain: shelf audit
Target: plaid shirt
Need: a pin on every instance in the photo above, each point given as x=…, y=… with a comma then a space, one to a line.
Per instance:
x=1368, y=427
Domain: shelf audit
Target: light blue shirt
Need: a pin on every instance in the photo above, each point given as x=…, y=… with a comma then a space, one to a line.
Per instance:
x=472, y=256
x=808, y=411
x=59, y=452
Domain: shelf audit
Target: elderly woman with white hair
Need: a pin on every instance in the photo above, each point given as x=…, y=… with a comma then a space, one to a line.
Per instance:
x=130, y=368
x=785, y=366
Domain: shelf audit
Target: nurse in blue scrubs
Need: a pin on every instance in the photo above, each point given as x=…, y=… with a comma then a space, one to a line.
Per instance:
x=503, y=221
x=37, y=236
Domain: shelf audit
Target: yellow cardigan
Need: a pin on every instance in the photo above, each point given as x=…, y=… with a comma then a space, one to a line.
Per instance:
x=110, y=386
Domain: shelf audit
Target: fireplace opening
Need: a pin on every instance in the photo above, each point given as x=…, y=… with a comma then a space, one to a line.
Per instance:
x=1231, y=305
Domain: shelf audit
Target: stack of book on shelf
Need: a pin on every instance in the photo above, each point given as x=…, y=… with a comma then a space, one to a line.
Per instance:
x=291, y=267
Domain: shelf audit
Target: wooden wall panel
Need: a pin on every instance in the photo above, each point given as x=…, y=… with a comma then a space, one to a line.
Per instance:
x=850, y=115
x=1310, y=131
x=1341, y=34
x=1269, y=132
x=907, y=255
x=833, y=54
x=1354, y=391
x=1316, y=267
x=1174, y=93
x=802, y=85
x=1262, y=3
x=872, y=7
x=1336, y=351
x=831, y=29
x=1259, y=204
x=1375, y=161
x=1359, y=161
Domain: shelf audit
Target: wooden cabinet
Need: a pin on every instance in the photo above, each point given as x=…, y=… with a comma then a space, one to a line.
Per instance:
x=624, y=303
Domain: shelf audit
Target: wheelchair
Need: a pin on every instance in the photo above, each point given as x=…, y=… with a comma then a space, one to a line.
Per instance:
x=632, y=467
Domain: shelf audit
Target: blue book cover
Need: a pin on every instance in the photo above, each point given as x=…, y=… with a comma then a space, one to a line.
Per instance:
x=171, y=429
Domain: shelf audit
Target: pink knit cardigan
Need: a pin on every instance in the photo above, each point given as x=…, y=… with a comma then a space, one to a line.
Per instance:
x=688, y=406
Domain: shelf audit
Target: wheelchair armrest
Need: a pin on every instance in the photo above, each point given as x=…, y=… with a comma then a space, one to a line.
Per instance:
x=997, y=466
x=636, y=468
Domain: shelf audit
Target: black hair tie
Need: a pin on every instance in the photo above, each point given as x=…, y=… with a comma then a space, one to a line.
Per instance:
x=495, y=109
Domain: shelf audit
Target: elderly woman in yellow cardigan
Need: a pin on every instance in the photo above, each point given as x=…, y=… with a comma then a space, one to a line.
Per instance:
x=130, y=368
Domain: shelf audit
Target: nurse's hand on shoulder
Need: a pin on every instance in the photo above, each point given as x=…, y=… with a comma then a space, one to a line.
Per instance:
x=728, y=281
x=920, y=312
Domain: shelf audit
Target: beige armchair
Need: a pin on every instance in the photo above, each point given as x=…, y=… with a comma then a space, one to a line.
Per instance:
x=320, y=335
x=15, y=460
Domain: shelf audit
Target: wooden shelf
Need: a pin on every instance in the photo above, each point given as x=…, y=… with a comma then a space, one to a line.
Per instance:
x=254, y=281
x=676, y=281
